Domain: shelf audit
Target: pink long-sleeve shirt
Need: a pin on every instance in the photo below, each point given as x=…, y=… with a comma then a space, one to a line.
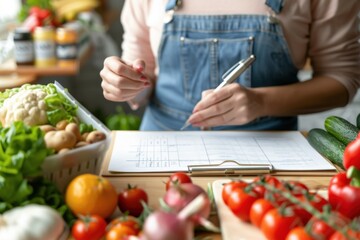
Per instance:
x=326, y=31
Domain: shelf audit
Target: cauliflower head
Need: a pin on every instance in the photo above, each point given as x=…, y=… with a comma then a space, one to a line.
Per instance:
x=27, y=106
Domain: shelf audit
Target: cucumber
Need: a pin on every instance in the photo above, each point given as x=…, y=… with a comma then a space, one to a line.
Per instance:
x=358, y=121
x=342, y=129
x=327, y=145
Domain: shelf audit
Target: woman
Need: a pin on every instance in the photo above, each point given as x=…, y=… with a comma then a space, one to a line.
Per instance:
x=175, y=52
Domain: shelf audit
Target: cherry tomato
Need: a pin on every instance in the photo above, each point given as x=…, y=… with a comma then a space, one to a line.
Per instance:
x=176, y=178
x=128, y=221
x=258, y=210
x=271, y=180
x=276, y=225
x=351, y=235
x=229, y=187
x=89, y=228
x=298, y=233
x=130, y=199
x=319, y=229
x=120, y=232
x=297, y=188
x=317, y=201
x=240, y=203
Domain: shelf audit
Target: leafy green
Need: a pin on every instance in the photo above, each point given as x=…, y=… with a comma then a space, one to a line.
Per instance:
x=22, y=152
x=43, y=192
x=24, y=11
x=58, y=107
x=123, y=121
x=85, y=128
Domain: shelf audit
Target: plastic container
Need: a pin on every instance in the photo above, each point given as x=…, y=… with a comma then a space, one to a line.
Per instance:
x=62, y=168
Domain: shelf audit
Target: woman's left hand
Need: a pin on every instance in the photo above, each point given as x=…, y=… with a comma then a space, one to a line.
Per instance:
x=231, y=105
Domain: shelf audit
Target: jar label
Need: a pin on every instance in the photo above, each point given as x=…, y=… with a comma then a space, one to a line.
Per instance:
x=66, y=51
x=24, y=51
x=44, y=49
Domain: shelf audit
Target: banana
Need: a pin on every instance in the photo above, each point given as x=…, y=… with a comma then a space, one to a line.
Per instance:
x=64, y=7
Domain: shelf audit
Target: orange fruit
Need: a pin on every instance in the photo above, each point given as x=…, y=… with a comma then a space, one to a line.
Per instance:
x=91, y=194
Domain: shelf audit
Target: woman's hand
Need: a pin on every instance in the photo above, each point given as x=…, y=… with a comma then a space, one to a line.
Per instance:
x=231, y=105
x=122, y=81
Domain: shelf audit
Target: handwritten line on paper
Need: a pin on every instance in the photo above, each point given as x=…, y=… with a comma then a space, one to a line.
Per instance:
x=144, y=151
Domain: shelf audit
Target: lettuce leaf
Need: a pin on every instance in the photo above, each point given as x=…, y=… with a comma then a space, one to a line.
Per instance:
x=22, y=152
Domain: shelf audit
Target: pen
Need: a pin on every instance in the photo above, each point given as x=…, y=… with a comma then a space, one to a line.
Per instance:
x=230, y=76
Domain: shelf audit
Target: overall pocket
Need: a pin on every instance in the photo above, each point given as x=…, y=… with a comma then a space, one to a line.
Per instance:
x=204, y=61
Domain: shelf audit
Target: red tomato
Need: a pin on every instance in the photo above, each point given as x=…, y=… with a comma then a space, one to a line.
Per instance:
x=317, y=201
x=258, y=210
x=128, y=221
x=229, y=187
x=351, y=235
x=298, y=233
x=130, y=200
x=89, y=228
x=297, y=188
x=240, y=203
x=271, y=180
x=176, y=178
x=276, y=226
x=120, y=232
x=320, y=230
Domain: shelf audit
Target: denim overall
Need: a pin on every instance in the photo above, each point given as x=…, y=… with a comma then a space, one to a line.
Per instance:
x=196, y=50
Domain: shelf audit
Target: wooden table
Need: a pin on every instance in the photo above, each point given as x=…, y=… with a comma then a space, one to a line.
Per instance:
x=155, y=187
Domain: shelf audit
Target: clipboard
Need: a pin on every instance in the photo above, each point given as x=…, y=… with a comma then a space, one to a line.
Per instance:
x=225, y=168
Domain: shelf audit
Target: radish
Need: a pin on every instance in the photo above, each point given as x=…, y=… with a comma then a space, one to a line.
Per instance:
x=179, y=196
x=162, y=225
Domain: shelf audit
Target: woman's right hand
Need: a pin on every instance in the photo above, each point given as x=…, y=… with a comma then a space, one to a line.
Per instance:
x=122, y=81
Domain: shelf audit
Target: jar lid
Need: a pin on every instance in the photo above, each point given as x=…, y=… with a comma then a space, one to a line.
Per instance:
x=22, y=33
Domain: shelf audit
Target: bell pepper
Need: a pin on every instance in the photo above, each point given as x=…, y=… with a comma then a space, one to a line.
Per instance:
x=344, y=193
x=352, y=154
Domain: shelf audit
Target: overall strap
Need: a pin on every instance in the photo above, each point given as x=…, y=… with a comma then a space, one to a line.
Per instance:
x=172, y=5
x=275, y=5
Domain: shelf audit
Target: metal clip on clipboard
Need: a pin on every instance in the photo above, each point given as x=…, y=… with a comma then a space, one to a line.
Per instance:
x=229, y=167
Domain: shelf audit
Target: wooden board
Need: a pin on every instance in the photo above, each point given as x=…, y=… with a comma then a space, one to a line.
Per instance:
x=232, y=228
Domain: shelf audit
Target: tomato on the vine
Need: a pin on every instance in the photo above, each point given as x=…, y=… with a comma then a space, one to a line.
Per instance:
x=229, y=187
x=299, y=233
x=130, y=199
x=314, y=199
x=320, y=229
x=258, y=210
x=350, y=235
x=177, y=178
x=296, y=188
x=240, y=203
x=277, y=223
x=271, y=180
x=91, y=227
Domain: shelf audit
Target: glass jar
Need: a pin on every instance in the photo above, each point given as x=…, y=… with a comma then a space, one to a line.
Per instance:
x=23, y=47
x=66, y=46
x=44, y=42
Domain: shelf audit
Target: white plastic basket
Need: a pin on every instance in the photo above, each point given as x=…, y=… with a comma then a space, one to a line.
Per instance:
x=62, y=168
